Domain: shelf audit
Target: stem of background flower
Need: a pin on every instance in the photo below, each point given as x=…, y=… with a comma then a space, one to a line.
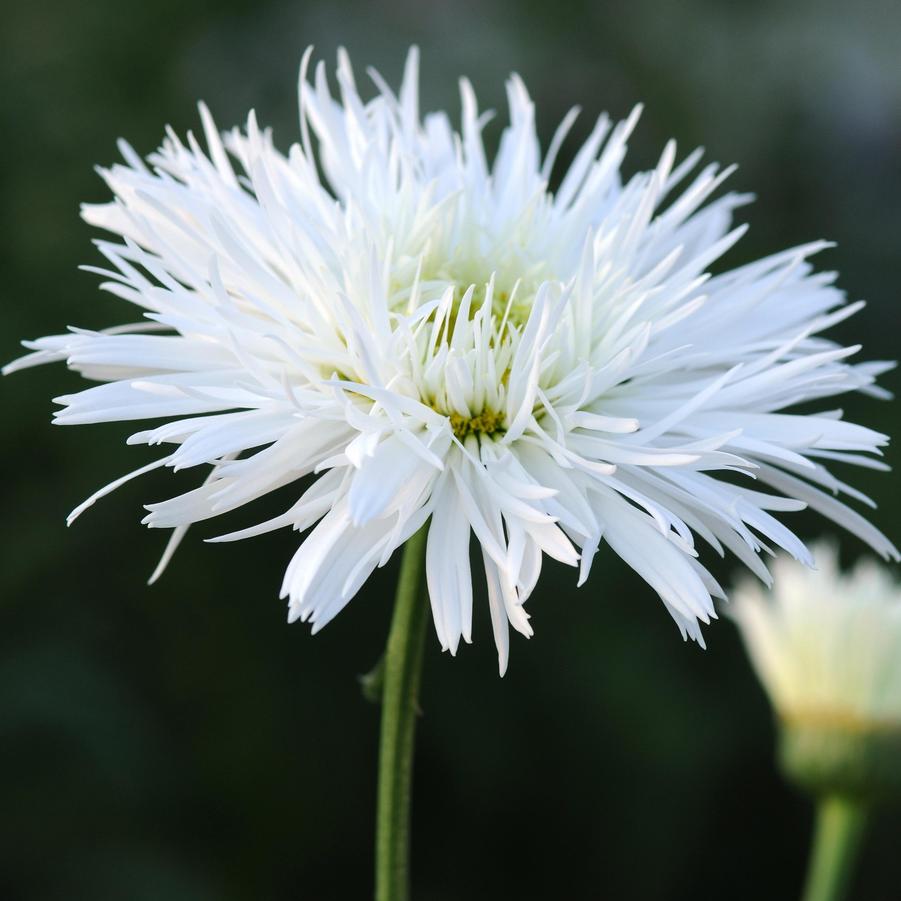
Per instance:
x=402, y=668
x=840, y=824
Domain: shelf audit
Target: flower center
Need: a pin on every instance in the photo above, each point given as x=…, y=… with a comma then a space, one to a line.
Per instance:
x=488, y=422
x=468, y=350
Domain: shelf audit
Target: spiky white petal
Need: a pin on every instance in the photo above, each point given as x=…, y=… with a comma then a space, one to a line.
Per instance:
x=448, y=342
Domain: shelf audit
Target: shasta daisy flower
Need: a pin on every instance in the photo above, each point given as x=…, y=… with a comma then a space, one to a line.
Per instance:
x=441, y=341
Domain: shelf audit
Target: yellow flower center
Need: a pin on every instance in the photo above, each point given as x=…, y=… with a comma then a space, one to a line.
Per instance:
x=486, y=423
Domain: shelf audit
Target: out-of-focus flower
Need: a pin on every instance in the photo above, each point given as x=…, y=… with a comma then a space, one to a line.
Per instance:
x=444, y=340
x=827, y=648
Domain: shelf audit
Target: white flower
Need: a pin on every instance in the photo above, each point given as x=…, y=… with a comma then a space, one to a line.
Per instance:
x=826, y=646
x=447, y=341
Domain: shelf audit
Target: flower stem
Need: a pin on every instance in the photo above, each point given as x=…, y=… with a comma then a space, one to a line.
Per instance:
x=840, y=824
x=402, y=668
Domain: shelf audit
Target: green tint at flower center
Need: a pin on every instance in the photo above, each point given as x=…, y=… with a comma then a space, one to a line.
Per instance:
x=513, y=311
x=513, y=278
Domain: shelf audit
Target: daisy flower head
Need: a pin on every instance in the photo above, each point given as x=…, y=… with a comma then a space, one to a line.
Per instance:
x=827, y=648
x=443, y=341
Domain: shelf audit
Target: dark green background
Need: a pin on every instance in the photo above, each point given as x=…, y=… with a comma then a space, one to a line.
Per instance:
x=182, y=743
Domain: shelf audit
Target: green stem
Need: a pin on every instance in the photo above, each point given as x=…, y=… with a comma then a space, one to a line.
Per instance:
x=840, y=824
x=402, y=668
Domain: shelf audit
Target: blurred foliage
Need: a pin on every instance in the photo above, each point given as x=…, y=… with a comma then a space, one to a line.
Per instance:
x=182, y=742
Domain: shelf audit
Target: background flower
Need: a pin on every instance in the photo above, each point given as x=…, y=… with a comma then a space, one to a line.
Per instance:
x=827, y=646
